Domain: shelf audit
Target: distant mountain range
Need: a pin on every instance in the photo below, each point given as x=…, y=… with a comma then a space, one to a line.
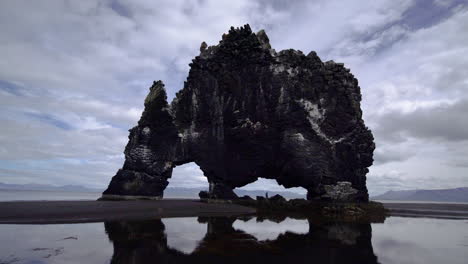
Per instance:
x=441, y=195
x=45, y=187
x=170, y=192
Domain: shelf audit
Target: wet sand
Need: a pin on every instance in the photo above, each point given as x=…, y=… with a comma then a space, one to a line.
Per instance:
x=53, y=212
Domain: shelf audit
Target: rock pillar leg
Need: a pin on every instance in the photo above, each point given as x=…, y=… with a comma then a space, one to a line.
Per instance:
x=127, y=184
x=138, y=241
x=221, y=191
x=149, y=154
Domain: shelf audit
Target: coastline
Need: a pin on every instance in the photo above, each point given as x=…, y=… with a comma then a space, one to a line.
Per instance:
x=54, y=212
x=429, y=209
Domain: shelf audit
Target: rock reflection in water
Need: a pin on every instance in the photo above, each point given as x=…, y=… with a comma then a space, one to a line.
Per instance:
x=146, y=242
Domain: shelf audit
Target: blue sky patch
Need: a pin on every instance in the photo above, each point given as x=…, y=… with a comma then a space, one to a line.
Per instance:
x=49, y=119
x=10, y=88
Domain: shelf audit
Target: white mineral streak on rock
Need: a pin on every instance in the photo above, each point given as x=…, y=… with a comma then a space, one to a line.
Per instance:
x=143, y=153
x=167, y=165
x=342, y=191
x=281, y=97
x=257, y=126
x=273, y=52
x=299, y=137
x=247, y=123
x=188, y=134
x=279, y=68
x=292, y=71
x=146, y=131
x=146, y=152
x=316, y=117
x=217, y=103
x=194, y=110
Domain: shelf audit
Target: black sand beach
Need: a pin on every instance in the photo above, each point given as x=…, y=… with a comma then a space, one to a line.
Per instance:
x=52, y=212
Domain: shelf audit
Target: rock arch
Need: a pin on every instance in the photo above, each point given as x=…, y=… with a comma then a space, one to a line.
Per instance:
x=247, y=111
x=271, y=187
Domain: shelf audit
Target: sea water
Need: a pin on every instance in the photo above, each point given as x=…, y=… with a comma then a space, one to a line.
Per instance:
x=238, y=240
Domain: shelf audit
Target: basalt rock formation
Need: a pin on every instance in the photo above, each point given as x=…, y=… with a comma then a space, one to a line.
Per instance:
x=249, y=112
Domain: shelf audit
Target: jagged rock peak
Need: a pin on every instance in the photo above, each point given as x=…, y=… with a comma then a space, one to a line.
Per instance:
x=239, y=32
x=237, y=40
x=203, y=46
x=264, y=40
x=157, y=110
x=157, y=90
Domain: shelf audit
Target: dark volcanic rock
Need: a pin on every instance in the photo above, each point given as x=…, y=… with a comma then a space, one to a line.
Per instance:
x=203, y=195
x=277, y=198
x=247, y=111
x=246, y=198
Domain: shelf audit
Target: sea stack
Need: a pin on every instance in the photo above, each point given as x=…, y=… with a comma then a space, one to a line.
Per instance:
x=248, y=112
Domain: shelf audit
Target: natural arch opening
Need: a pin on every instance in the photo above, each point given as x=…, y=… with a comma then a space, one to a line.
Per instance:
x=265, y=229
x=176, y=230
x=263, y=186
x=187, y=181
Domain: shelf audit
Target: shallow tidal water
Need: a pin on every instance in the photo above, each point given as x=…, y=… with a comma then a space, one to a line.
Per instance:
x=237, y=240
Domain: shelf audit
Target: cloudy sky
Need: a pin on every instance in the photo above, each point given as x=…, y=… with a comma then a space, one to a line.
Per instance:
x=74, y=74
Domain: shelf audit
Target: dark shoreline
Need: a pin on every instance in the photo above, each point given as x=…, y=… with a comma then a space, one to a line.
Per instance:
x=54, y=212
x=432, y=210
